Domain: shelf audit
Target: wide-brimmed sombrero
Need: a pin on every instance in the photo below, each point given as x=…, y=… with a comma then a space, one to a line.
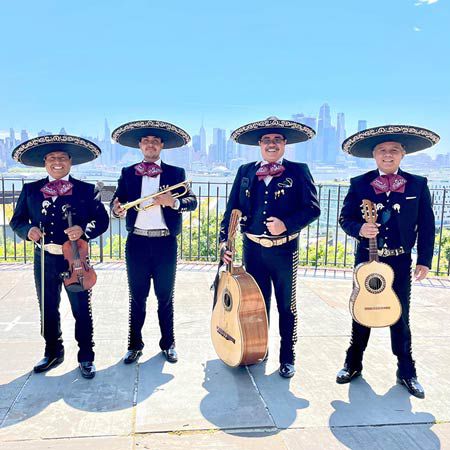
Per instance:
x=130, y=134
x=251, y=133
x=32, y=152
x=413, y=138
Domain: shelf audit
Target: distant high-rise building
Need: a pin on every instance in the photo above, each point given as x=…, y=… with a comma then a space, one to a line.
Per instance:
x=362, y=125
x=12, y=138
x=219, y=141
x=24, y=136
x=341, y=134
x=62, y=131
x=108, y=157
x=202, y=134
x=306, y=151
x=231, y=152
x=44, y=133
x=326, y=137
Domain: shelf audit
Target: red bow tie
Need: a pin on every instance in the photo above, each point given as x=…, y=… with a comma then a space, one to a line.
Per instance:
x=149, y=169
x=390, y=182
x=272, y=169
x=57, y=188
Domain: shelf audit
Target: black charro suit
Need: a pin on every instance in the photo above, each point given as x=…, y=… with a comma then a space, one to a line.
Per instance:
x=292, y=198
x=33, y=210
x=152, y=257
x=405, y=218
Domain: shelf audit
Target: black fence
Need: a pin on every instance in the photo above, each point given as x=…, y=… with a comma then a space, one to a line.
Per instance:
x=321, y=244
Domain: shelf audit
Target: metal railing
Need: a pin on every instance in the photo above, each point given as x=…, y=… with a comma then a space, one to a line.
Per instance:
x=321, y=244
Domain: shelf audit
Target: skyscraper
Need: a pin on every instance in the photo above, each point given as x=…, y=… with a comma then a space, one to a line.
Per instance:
x=24, y=136
x=219, y=142
x=202, y=134
x=362, y=125
x=306, y=151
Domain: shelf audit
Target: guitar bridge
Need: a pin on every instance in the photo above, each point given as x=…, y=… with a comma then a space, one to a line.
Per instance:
x=224, y=334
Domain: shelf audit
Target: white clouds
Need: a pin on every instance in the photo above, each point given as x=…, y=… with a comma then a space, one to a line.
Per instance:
x=417, y=29
x=425, y=2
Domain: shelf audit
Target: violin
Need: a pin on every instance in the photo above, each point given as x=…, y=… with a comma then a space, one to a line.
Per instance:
x=80, y=276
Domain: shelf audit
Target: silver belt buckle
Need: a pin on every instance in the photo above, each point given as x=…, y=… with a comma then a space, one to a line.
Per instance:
x=266, y=242
x=53, y=249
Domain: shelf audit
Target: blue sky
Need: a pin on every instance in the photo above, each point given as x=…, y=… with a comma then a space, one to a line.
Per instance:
x=74, y=64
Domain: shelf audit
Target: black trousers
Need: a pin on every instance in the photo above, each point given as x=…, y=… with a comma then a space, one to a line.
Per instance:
x=277, y=266
x=80, y=303
x=151, y=258
x=400, y=331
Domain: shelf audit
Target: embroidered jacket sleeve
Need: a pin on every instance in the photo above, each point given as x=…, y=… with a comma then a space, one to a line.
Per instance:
x=98, y=220
x=425, y=228
x=308, y=208
x=121, y=192
x=188, y=201
x=233, y=203
x=350, y=217
x=21, y=221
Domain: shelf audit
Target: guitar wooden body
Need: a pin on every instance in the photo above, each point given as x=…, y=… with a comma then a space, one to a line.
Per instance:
x=239, y=327
x=374, y=303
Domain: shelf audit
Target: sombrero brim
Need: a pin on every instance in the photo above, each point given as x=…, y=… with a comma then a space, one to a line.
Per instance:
x=251, y=133
x=414, y=139
x=33, y=151
x=131, y=133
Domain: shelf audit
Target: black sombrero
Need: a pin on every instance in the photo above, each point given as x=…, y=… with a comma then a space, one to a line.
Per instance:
x=251, y=133
x=32, y=152
x=131, y=133
x=414, y=139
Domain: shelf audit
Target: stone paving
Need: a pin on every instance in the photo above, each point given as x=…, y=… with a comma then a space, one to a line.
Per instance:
x=199, y=402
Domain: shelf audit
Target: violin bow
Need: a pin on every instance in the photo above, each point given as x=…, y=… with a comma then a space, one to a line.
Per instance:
x=42, y=281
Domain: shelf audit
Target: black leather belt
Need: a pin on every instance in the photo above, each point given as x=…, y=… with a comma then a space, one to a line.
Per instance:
x=391, y=251
x=271, y=241
x=151, y=233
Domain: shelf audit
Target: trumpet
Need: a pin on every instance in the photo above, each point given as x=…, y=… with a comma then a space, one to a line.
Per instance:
x=185, y=185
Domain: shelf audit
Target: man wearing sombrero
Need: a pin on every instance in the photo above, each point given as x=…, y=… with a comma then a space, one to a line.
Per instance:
x=277, y=199
x=151, y=248
x=40, y=211
x=405, y=216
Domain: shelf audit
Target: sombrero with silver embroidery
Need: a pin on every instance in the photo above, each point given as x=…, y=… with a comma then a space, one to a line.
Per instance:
x=32, y=152
x=251, y=133
x=131, y=133
x=414, y=139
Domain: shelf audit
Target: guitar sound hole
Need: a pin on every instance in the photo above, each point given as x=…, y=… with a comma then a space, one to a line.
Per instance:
x=375, y=283
x=227, y=301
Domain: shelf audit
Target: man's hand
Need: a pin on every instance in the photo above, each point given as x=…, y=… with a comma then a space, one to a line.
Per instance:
x=74, y=233
x=275, y=226
x=117, y=208
x=225, y=255
x=165, y=200
x=35, y=234
x=369, y=230
x=421, y=272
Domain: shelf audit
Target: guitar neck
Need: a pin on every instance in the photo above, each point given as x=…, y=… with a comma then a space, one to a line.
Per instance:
x=373, y=250
x=230, y=246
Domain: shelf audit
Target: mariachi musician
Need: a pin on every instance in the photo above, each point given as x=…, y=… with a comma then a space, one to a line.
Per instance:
x=405, y=215
x=39, y=216
x=151, y=248
x=277, y=199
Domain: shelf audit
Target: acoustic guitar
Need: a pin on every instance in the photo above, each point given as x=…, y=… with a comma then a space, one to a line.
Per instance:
x=239, y=326
x=373, y=302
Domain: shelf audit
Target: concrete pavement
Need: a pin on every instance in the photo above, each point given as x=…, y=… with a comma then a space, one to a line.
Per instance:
x=201, y=403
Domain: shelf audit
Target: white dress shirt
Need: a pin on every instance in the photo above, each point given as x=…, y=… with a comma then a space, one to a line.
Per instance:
x=151, y=219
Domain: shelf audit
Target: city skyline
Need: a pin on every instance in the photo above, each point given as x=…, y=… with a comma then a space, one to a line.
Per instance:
x=212, y=149
x=75, y=64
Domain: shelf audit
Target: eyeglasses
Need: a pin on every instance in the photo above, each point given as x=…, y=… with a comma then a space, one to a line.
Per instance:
x=57, y=158
x=277, y=140
x=151, y=141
